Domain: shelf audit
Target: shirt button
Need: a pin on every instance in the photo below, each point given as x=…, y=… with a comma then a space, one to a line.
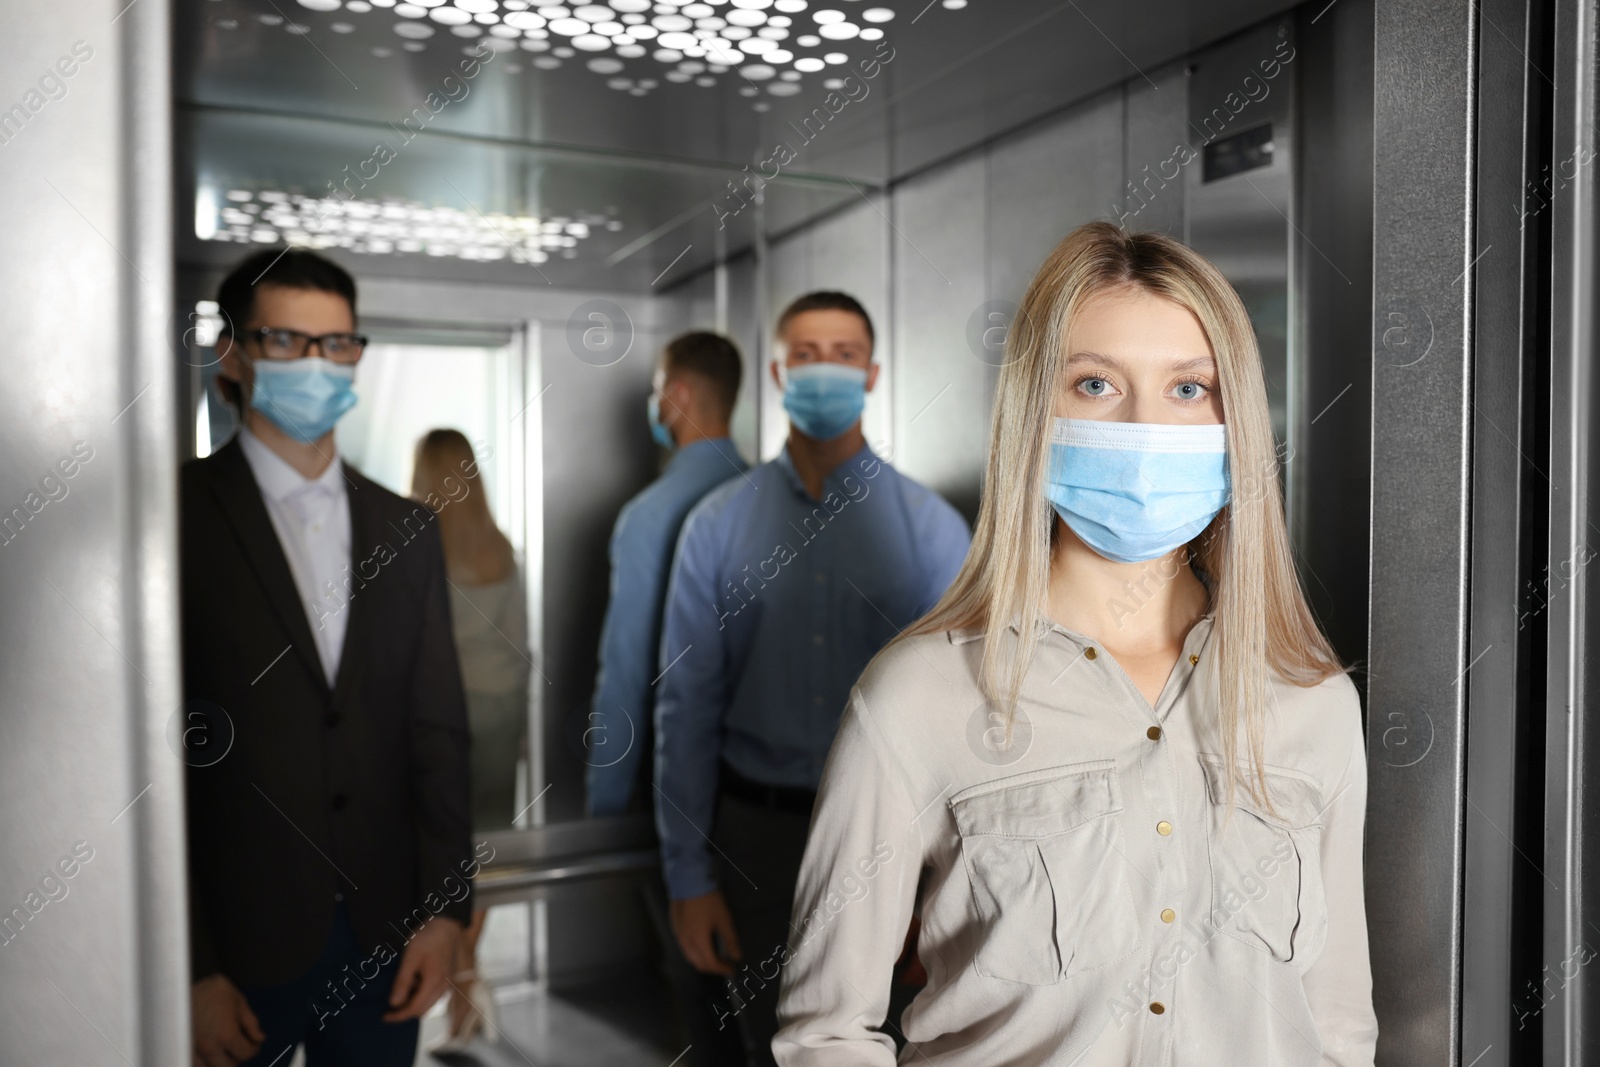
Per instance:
x=1090, y=653
x=1193, y=659
x=1154, y=733
x=816, y=639
x=1168, y=915
x=1163, y=828
x=338, y=897
x=819, y=577
x=1157, y=1008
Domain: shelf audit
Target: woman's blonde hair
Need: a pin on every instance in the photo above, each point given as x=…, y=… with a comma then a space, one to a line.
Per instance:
x=444, y=475
x=1261, y=618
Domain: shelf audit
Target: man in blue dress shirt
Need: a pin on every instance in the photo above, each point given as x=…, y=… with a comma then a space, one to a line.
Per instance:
x=786, y=582
x=696, y=384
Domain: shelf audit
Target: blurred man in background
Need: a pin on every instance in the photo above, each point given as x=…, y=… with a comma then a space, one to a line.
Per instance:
x=696, y=385
x=786, y=583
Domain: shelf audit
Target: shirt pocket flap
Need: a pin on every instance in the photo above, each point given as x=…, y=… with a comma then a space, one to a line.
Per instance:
x=1039, y=803
x=1296, y=800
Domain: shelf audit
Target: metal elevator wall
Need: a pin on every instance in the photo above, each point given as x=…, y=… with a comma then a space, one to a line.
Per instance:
x=94, y=957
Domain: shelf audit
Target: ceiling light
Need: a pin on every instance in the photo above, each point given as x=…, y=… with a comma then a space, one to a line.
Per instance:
x=871, y=33
x=757, y=72
x=877, y=14
x=320, y=5
x=450, y=16
x=591, y=42
x=827, y=15
x=808, y=40
x=840, y=31
x=477, y=7
x=809, y=65
x=416, y=31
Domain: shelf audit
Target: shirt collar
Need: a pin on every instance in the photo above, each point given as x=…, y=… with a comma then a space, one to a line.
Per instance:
x=786, y=464
x=276, y=477
x=1047, y=624
x=704, y=446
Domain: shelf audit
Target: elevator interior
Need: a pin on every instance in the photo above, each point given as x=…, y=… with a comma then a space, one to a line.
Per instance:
x=532, y=212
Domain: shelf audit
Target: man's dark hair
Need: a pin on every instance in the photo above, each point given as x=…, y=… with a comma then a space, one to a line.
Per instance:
x=291, y=268
x=714, y=358
x=826, y=300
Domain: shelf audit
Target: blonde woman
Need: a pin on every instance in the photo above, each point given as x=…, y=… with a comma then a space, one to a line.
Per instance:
x=1119, y=753
x=488, y=611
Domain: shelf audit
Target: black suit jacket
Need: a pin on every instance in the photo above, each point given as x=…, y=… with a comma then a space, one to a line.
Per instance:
x=359, y=791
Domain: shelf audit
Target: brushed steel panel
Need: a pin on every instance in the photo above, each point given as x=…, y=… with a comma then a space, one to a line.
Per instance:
x=940, y=301
x=1045, y=182
x=95, y=968
x=1571, y=1001
x=1421, y=409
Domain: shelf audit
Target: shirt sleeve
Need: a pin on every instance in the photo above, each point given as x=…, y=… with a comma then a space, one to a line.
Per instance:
x=853, y=902
x=691, y=697
x=1339, y=985
x=948, y=541
x=615, y=733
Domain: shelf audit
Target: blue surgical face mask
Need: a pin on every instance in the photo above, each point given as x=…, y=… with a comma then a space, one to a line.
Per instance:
x=658, y=430
x=304, y=397
x=1134, y=491
x=824, y=399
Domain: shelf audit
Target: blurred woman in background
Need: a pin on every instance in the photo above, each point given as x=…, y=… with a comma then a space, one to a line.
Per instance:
x=488, y=608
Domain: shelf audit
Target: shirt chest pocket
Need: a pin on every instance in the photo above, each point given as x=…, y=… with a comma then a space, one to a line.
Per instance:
x=1266, y=867
x=1044, y=854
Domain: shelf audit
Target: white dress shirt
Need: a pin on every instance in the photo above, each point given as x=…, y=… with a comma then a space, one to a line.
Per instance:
x=1088, y=900
x=312, y=519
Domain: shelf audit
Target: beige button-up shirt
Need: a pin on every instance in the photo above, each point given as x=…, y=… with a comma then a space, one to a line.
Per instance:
x=1088, y=899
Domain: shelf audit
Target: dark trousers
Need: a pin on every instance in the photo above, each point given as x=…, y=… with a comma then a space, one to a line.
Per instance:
x=759, y=862
x=335, y=1009
x=697, y=997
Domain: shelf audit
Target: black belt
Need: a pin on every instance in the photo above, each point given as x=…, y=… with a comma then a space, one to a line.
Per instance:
x=776, y=797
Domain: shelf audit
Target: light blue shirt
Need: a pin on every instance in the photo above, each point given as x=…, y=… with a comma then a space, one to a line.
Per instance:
x=777, y=602
x=618, y=731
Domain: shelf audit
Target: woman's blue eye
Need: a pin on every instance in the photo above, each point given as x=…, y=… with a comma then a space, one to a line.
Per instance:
x=1190, y=390
x=1096, y=386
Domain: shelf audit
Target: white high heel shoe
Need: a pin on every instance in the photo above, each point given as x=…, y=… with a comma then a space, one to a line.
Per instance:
x=479, y=1017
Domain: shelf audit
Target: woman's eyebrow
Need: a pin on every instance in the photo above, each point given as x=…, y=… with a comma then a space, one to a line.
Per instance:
x=1093, y=357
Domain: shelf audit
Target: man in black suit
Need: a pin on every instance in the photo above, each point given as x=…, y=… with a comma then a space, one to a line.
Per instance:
x=325, y=723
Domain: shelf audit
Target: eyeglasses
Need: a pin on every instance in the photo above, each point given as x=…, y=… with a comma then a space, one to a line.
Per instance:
x=292, y=344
